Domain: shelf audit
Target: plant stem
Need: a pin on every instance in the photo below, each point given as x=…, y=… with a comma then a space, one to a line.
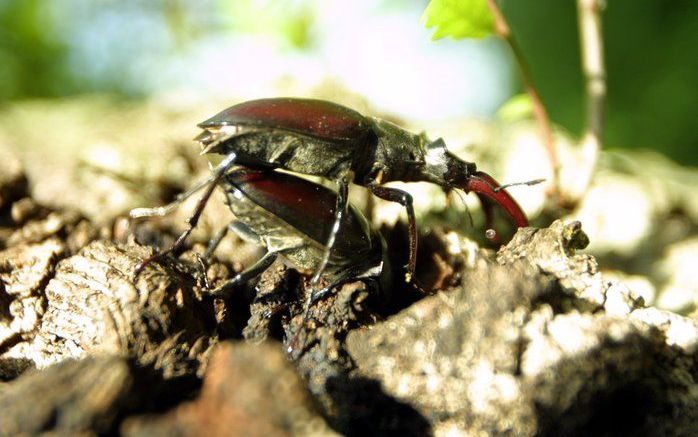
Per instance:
x=539, y=112
x=591, y=40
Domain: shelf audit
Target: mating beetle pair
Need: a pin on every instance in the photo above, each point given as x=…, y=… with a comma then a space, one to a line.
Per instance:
x=324, y=139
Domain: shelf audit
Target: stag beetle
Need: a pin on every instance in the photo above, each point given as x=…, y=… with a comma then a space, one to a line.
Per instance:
x=321, y=138
x=293, y=218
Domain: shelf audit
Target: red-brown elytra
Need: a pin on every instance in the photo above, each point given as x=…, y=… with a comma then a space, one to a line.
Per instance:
x=325, y=139
x=292, y=217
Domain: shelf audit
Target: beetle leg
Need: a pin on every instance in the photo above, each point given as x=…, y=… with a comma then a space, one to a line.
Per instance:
x=242, y=230
x=204, y=258
x=179, y=242
x=214, y=242
x=160, y=211
x=404, y=199
x=193, y=220
x=203, y=270
x=213, y=245
x=340, y=210
x=321, y=294
x=251, y=272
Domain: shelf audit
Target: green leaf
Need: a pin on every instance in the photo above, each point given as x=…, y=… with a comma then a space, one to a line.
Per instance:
x=516, y=108
x=459, y=18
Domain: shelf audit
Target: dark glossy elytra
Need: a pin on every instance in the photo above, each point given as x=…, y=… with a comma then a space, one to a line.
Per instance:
x=316, y=118
x=306, y=206
x=288, y=216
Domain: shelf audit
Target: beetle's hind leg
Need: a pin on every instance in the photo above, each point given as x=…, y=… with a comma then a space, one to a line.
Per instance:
x=161, y=211
x=241, y=229
x=193, y=220
x=213, y=244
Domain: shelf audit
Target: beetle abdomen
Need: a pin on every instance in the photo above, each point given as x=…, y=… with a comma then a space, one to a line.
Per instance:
x=302, y=154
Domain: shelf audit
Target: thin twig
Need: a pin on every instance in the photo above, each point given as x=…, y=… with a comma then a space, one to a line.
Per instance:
x=591, y=41
x=539, y=112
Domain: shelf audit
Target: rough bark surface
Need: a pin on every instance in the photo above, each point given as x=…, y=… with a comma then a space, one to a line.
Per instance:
x=271, y=401
x=538, y=359
x=532, y=340
x=70, y=397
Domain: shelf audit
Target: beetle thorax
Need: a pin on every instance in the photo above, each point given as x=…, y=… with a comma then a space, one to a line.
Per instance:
x=398, y=153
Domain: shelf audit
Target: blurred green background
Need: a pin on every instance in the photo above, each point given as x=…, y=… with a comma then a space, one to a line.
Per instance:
x=138, y=49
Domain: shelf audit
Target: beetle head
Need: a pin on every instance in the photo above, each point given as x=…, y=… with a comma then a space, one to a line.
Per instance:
x=444, y=168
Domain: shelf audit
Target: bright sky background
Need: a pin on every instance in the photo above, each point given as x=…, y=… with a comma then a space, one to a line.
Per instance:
x=378, y=51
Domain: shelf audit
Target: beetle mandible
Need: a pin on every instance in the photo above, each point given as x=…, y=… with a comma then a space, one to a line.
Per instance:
x=321, y=138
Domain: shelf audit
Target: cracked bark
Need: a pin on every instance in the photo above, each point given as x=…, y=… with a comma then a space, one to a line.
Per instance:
x=530, y=341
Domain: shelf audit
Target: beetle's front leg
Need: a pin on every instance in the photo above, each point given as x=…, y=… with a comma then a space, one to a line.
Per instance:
x=404, y=199
x=340, y=210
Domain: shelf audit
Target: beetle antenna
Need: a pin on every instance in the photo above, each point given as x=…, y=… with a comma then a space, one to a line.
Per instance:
x=514, y=184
